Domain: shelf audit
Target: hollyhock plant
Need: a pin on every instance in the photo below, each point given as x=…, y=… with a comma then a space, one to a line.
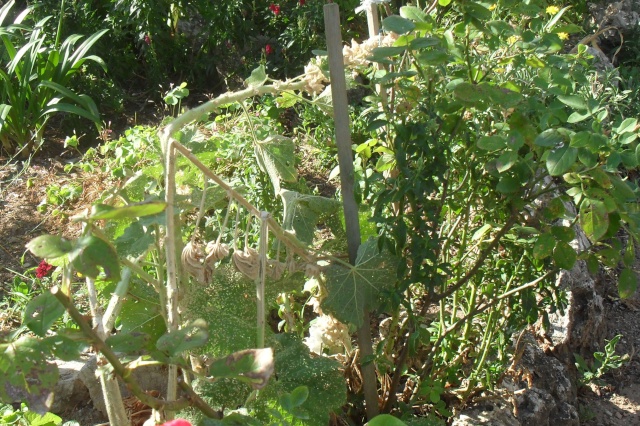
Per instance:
x=43, y=269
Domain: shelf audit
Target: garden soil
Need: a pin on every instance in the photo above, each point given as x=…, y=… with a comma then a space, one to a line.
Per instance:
x=616, y=401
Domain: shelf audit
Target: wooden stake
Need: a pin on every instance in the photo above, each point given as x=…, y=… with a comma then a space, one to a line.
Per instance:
x=345, y=161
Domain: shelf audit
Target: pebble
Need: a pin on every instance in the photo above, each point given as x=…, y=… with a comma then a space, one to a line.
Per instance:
x=619, y=414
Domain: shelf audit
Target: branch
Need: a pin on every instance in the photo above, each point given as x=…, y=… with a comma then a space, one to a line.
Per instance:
x=119, y=369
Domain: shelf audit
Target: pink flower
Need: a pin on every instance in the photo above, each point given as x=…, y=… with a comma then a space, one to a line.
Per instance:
x=177, y=422
x=147, y=39
x=43, y=269
x=275, y=9
x=268, y=49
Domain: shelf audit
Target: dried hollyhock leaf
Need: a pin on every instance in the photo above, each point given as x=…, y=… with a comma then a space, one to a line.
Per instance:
x=275, y=269
x=247, y=261
x=216, y=251
x=193, y=263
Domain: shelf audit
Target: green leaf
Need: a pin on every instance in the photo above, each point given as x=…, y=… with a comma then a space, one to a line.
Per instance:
x=491, y=143
x=560, y=160
x=106, y=212
x=564, y=255
x=48, y=419
x=508, y=184
x=627, y=125
x=506, y=161
x=41, y=312
x=89, y=252
x=299, y=396
x=594, y=219
x=398, y=24
x=387, y=51
x=627, y=283
x=276, y=157
x=576, y=102
x=550, y=137
x=128, y=342
x=66, y=348
x=352, y=290
x=563, y=233
x=258, y=77
x=385, y=420
x=303, y=212
x=543, y=246
x=134, y=240
x=423, y=42
x=413, y=13
x=26, y=375
x=49, y=246
x=176, y=342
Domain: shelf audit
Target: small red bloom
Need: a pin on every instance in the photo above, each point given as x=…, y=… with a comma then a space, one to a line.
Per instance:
x=302, y=2
x=147, y=39
x=43, y=269
x=177, y=422
x=275, y=9
x=268, y=49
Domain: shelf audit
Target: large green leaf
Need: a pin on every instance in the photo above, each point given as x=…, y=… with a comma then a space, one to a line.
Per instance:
x=560, y=160
x=191, y=336
x=49, y=246
x=90, y=252
x=257, y=78
x=352, y=290
x=594, y=219
x=398, y=24
x=276, y=157
x=303, y=212
x=564, y=255
x=41, y=312
x=25, y=374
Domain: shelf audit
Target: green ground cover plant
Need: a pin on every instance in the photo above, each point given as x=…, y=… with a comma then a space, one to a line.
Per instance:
x=484, y=150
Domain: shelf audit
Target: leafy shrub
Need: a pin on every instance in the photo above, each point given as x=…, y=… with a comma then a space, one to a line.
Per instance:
x=35, y=73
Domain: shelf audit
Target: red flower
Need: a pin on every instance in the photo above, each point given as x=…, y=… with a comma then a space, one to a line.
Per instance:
x=43, y=269
x=177, y=422
x=147, y=39
x=268, y=49
x=275, y=9
x=302, y=2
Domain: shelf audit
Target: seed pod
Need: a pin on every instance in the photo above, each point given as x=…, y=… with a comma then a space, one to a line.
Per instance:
x=247, y=262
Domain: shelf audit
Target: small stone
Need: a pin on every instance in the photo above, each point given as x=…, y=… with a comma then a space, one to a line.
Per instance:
x=619, y=414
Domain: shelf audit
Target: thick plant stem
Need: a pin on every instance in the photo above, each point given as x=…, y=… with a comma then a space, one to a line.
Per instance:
x=345, y=160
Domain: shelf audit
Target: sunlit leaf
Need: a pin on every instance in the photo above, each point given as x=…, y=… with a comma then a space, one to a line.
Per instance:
x=302, y=213
x=574, y=101
x=543, y=246
x=258, y=77
x=49, y=246
x=104, y=211
x=41, y=312
x=276, y=157
x=385, y=420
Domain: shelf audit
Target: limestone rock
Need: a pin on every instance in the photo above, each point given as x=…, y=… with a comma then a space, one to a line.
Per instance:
x=493, y=413
x=70, y=392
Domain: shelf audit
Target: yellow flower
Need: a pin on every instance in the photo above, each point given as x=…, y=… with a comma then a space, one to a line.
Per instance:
x=493, y=6
x=563, y=36
x=512, y=39
x=552, y=10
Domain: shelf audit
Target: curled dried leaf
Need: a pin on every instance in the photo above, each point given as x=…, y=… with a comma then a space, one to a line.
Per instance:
x=192, y=259
x=275, y=269
x=216, y=251
x=247, y=261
